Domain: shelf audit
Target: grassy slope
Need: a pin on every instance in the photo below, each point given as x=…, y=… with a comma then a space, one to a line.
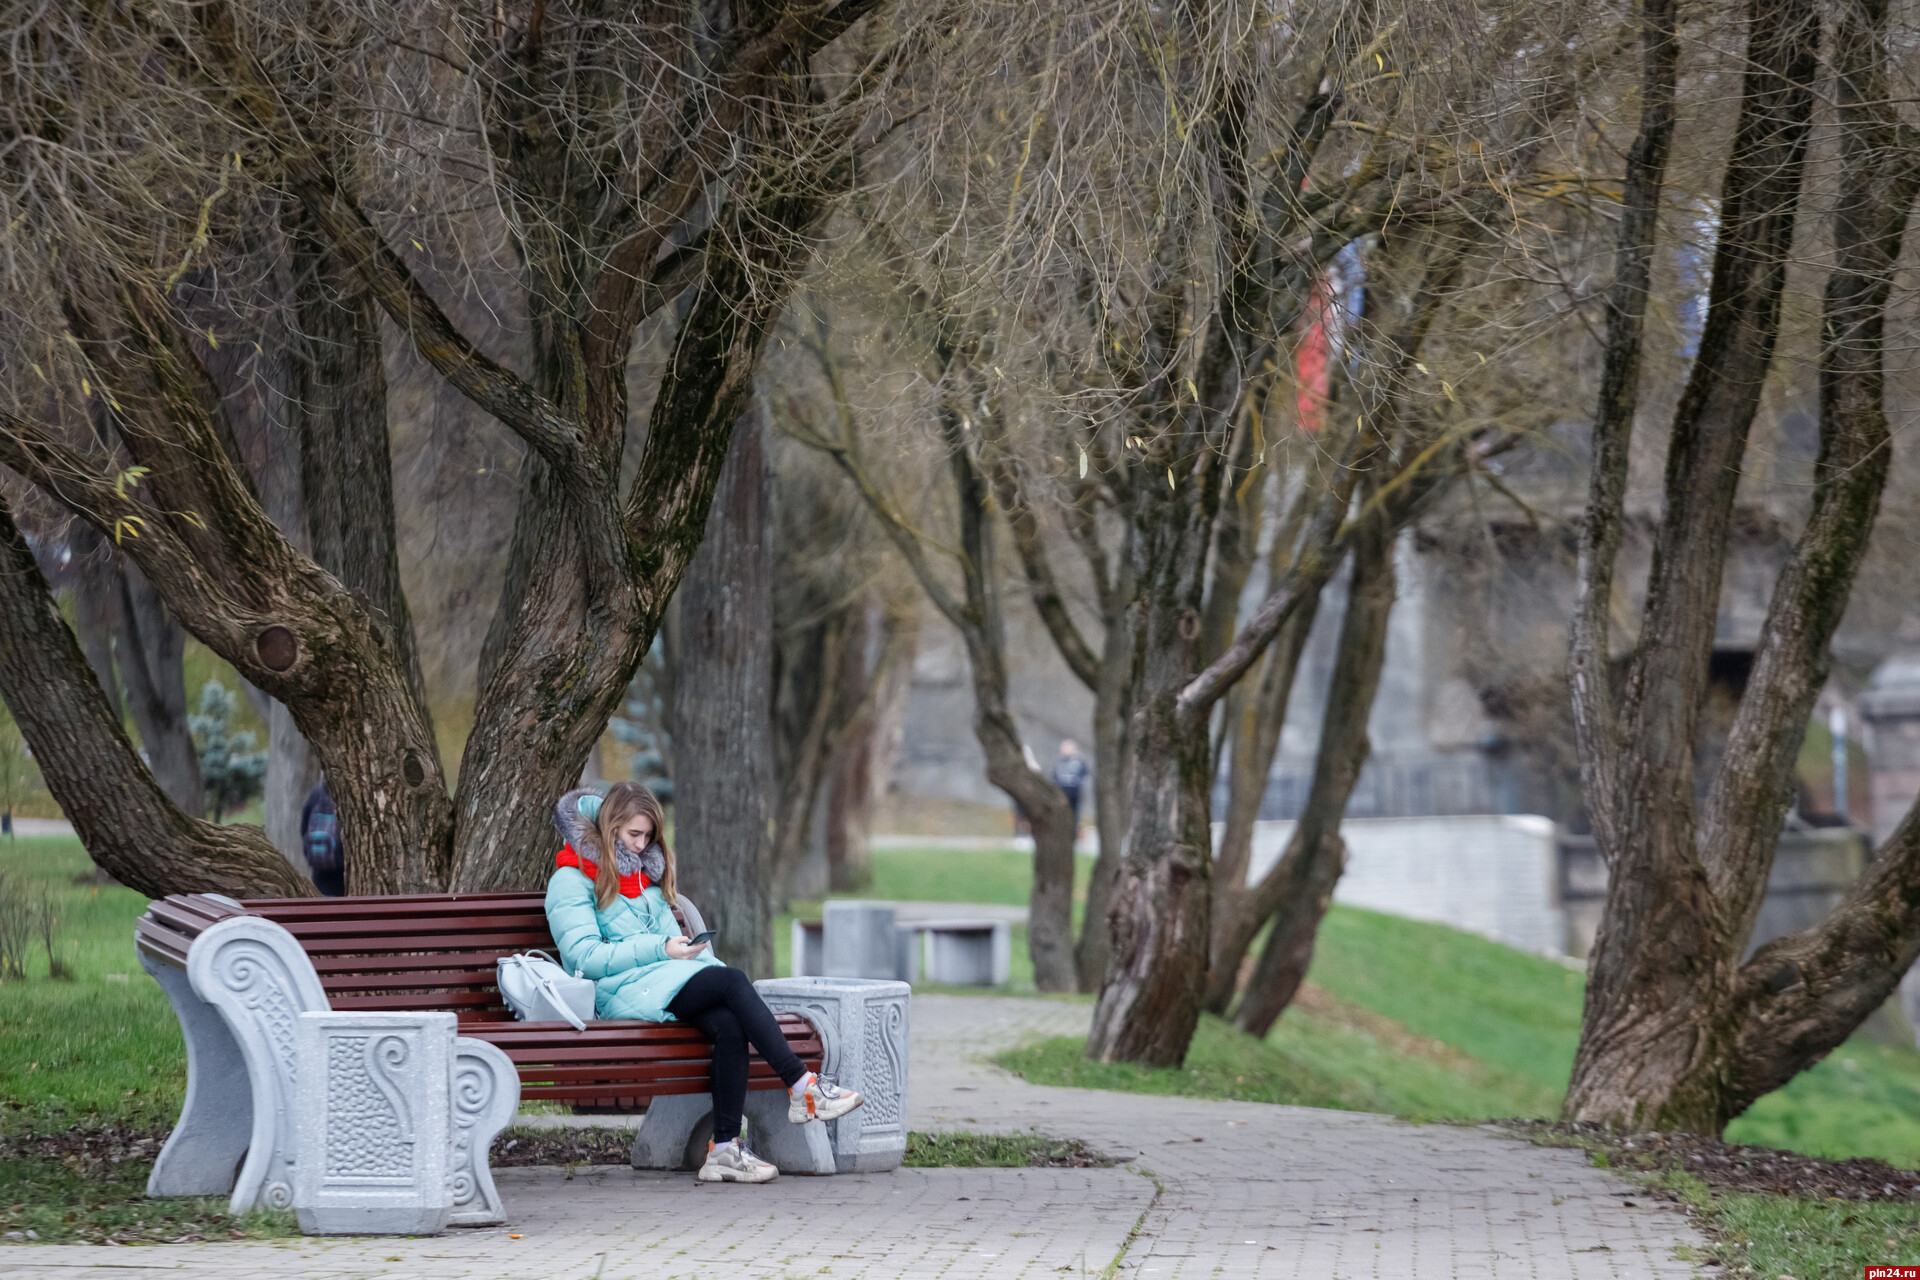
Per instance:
x=1469, y=1029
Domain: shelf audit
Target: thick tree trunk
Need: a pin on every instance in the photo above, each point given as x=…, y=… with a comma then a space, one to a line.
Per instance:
x=1656, y=1041
x=132, y=830
x=1161, y=911
x=722, y=703
x=604, y=583
x=1315, y=857
x=338, y=393
x=292, y=766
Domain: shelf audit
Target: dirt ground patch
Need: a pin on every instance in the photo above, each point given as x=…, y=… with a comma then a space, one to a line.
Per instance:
x=1727, y=1167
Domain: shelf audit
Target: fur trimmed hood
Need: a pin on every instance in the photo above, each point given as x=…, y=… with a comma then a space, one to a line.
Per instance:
x=575, y=819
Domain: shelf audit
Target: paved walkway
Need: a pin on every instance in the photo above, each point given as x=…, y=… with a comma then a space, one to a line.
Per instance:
x=1213, y=1189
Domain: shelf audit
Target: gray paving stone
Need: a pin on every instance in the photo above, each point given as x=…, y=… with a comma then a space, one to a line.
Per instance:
x=1321, y=1195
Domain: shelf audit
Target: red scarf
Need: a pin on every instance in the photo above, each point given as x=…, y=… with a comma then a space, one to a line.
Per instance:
x=630, y=886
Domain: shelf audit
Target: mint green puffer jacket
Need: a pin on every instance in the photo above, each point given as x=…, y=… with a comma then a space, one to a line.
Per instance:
x=623, y=949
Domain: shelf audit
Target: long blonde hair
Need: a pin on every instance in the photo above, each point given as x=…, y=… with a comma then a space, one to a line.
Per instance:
x=626, y=800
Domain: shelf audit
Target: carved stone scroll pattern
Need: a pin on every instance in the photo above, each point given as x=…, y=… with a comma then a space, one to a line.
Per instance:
x=883, y=1066
x=366, y=1134
x=258, y=977
x=473, y=1088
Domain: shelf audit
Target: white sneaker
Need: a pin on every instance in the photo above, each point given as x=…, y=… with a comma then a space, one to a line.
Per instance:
x=818, y=1099
x=732, y=1162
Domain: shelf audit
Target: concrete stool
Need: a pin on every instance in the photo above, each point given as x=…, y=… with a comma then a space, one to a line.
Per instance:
x=809, y=951
x=967, y=953
x=864, y=1024
x=859, y=940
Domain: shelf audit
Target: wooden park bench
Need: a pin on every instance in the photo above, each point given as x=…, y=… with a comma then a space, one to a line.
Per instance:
x=429, y=952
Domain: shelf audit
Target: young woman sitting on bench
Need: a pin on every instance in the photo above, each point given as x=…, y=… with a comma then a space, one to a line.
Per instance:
x=612, y=917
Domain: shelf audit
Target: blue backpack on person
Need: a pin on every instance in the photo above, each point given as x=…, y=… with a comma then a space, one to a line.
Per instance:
x=323, y=842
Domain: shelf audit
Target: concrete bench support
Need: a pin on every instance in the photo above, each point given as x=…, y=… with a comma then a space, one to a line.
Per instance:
x=675, y=1130
x=864, y=1025
x=240, y=1002
x=373, y=1123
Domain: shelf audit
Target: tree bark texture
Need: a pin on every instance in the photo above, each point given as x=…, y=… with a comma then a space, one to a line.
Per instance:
x=723, y=784
x=1160, y=914
x=96, y=606
x=130, y=827
x=338, y=399
x=1315, y=857
x=1677, y=1033
x=1254, y=723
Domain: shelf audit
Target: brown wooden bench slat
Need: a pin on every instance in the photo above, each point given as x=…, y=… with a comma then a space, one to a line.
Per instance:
x=592, y=1096
x=407, y=979
x=272, y=907
x=432, y=1002
x=376, y=932
x=609, y=1054
x=507, y=942
x=439, y=951
x=630, y=1080
x=194, y=912
x=405, y=961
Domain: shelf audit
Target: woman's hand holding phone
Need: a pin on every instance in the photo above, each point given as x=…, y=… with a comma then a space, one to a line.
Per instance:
x=687, y=948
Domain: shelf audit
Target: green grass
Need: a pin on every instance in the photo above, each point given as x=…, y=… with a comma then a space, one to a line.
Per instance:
x=102, y=1046
x=60, y=1204
x=1807, y=1239
x=1515, y=1012
x=1771, y=1235
x=993, y=1151
x=1863, y=1100
x=1311, y=1060
x=1469, y=1029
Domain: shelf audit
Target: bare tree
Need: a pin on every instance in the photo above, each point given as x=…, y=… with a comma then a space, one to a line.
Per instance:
x=131, y=827
x=1678, y=1033
x=684, y=156
x=975, y=609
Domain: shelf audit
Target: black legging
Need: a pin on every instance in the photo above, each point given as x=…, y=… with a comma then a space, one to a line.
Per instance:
x=721, y=1002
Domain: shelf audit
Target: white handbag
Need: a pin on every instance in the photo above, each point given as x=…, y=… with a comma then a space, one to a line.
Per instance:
x=538, y=990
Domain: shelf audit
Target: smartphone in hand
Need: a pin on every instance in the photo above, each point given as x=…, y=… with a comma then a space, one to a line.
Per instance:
x=701, y=939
